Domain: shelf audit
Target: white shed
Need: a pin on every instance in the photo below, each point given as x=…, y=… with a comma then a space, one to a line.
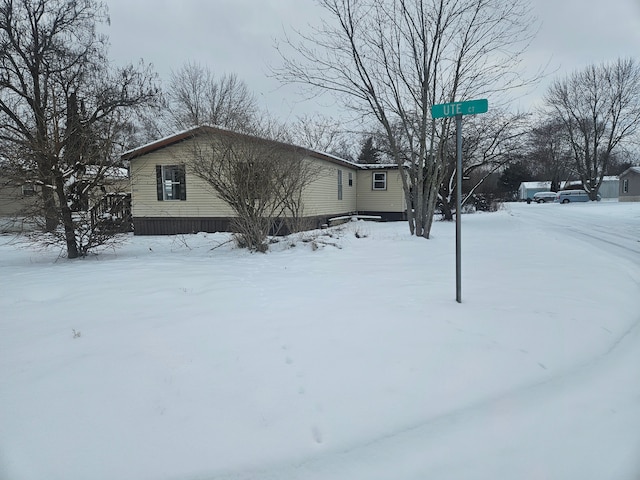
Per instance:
x=610, y=187
x=528, y=189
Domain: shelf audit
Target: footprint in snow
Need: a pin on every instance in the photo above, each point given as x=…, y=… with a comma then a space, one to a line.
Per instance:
x=316, y=434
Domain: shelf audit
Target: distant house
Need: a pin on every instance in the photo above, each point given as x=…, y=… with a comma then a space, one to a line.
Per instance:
x=15, y=200
x=167, y=197
x=629, y=188
x=21, y=203
x=608, y=189
x=528, y=189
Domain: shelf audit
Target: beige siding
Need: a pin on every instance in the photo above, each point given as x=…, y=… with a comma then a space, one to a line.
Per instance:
x=633, y=187
x=321, y=196
x=13, y=201
x=389, y=200
x=200, y=202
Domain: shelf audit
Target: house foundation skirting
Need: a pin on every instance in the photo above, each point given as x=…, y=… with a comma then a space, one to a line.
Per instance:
x=387, y=216
x=186, y=225
x=179, y=225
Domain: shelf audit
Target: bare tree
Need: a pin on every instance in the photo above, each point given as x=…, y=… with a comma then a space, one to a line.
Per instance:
x=324, y=134
x=60, y=106
x=599, y=109
x=316, y=132
x=549, y=153
x=260, y=178
x=393, y=59
x=490, y=142
x=197, y=97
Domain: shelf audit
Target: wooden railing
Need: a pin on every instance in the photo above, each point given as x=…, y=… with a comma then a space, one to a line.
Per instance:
x=112, y=213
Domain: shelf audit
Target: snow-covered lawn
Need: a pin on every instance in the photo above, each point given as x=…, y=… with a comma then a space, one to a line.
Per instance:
x=338, y=355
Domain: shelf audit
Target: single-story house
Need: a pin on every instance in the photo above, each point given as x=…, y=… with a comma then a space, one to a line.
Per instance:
x=15, y=197
x=20, y=202
x=16, y=200
x=629, y=188
x=608, y=189
x=167, y=197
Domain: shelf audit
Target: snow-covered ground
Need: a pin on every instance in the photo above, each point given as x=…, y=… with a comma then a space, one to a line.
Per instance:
x=339, y=355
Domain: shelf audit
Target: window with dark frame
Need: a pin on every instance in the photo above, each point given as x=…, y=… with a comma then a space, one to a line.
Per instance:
x=379, y=180
x=625, y=185
x=339, y=184
x=351, y=179
x=28, y=189
x=171, y=182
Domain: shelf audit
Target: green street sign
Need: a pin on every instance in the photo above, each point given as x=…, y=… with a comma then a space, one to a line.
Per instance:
x=471, y=107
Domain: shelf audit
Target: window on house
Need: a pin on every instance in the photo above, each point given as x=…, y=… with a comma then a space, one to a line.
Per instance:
x=379, y=180
x=339, y=184
x=625, y=185
x=351, y=179
x=28, y=189
x=171, y=182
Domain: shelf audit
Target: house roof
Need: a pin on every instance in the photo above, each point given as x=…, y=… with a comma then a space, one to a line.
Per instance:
x=536, y=184
x=206, y=129
x=630, y=170
x=376, y=166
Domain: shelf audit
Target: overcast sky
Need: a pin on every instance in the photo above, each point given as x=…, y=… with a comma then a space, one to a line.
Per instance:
x=237, y=36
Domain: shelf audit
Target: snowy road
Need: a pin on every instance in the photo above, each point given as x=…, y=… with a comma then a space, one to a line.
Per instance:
x=617, y=233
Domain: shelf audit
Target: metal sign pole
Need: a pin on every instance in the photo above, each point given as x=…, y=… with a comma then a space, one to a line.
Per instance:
x=458, y=109
x=458, y=209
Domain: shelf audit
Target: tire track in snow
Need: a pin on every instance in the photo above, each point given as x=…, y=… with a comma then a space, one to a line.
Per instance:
x=359, y=461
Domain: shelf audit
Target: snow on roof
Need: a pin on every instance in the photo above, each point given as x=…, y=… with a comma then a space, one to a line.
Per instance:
x=630, y=170
x=331, y=157
x=536, y=184
x=108, y=172
x=377, y=166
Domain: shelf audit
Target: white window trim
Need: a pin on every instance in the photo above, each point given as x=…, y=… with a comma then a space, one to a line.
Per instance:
x=374, y=181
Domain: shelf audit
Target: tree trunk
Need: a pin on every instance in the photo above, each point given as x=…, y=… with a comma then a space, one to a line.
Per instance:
x=67, y=219
x=433, y=185
x=447, y=211
x=50, y=211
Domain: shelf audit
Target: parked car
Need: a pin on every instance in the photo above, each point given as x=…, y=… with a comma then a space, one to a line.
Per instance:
x=566, y=196
x=542, y=197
